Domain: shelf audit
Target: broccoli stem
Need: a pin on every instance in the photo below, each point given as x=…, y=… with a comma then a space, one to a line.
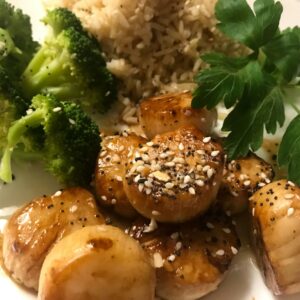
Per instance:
x=15, y=133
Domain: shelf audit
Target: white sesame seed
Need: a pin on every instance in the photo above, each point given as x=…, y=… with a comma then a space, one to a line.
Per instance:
x=29, y=111
x=215, y=153
x=178, y=246
x=140, y=169
x=58, y=193
x=170, y=164
x=267, y=180
x=220, y=252
x=181, y=147
x=113, y=201
x=199, y=182
x=234, y=250
x=56, y=109
x=291, y=183
x=182, y=185
x=148, y=191
x=137, y=178
x=226, y=230
x=210, y=173
x=155, y=213
x=206, y=139
x=73, y=208
x=118, y=178
x=151, y=227
x=179, y=160
x=158, y=260
x=210, y=225
x=72, y=122
x=171, y=258
x=140, y=187
x=104, y=198
x=289, y=196
x=247, y=183
x=200, y=152
x=175, y=236
x=253, y=211
x=121, y=148
x=261, y=184
x=169, y=185
x=206, y=168
x=290, y=211
x=192, y=191
x=187, y=179
x=103, y=153
x=263, y=175
x=145, y=157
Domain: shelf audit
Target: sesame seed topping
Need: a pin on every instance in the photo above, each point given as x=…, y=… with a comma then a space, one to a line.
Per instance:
x=215, y=153
x=206, y=139
x=169, y=185
x=58, y=193
x=104, y=198
x=247, y=182
x=175, y=236
x=72, y=122
x=253, y=211
x=187, y=179
x=289, y=196
x=56, y=109
x=161, y=176
x=234, y=250
x=118, y=178
x=171, y=258
x=178, y=246
x=199, y=182
x=290, y=211
x=155, y=213
x=226, y=230
x=210, y=225
x=113, y=201
x=158, y=260
x=291, y=183
x=181, y=147
x=220, y=252
x=210, y=173
x=140, y=187
x=192, y=191
x=151, y=227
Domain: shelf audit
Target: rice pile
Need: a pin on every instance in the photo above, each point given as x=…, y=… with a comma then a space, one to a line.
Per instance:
x=153, y=46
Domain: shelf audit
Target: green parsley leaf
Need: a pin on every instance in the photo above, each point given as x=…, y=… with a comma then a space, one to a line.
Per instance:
x=223, y=82
x=289, y=150
x=284, y=52
x=254, y=29
x=261, y=107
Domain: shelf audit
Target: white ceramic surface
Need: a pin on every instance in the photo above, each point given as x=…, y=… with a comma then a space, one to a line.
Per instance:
x=243, y=282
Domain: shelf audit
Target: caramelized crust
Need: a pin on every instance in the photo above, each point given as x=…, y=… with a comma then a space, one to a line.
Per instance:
x=171, y=111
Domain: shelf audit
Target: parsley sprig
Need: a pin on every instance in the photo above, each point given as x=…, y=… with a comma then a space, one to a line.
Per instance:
x=254, y=85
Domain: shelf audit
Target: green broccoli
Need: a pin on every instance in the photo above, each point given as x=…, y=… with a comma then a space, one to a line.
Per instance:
x=16, y=44
x=70, y=65
x=70, y=142
x=12, y=106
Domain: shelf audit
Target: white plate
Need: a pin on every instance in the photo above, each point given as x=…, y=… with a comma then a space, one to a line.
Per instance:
x=244, y=281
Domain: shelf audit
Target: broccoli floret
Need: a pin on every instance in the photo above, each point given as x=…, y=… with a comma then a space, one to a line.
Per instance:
x=70, y=65
x=16, y=44
x=12, y=105
x=71, y=140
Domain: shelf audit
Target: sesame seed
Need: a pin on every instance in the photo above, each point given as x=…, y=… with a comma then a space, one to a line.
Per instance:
x=113, y=201
x=137, y=178
x=140, y=187
x=247, y=183
x=226, y=230
x=150, y=144
x=175, y=236
x=289, y=196
x=290, y=211
x=158, y=260
x=206, y=139
x=261, y=184
x=104, y=198
x=263, y=175
x=220, y=252
x=151, y=227
x=215, y=153
x=181, y=147
x=169, y=185
x=148, y=191
x=72, y=122
x=29, y=111
x=170, y=164
x=171, y=258
x=58, y=193
x=210, y=225
x=155, y=213
x=121, y=148
x=140, y=169
x=234, y=250
x=210, y=173
x=178, y=246
x=291, y=183
x=187, y=179
x=206, y=168
x=200, y=152
x=199, y=182
x=118, y=178
x=192, y=191
x=253, y=211
x=56, y=109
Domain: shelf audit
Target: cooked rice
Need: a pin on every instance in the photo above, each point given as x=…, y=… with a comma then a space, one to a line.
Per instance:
x=153, y=46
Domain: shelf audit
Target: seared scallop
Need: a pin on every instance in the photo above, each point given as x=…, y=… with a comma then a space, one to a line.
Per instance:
x=110, y=172
x=275, y=210
x=242, y=177
x=176, y=176
x=171, y=111
x=191, y=259
x=34, y=229
x=97, y=263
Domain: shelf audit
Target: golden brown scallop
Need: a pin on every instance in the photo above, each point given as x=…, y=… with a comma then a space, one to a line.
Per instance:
x=110, y=172
x=191, y=259
x=275, y=210
x=176, y=176
x=242, y=177
x=97, y=263
x=171, y=111
x=34, y=229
